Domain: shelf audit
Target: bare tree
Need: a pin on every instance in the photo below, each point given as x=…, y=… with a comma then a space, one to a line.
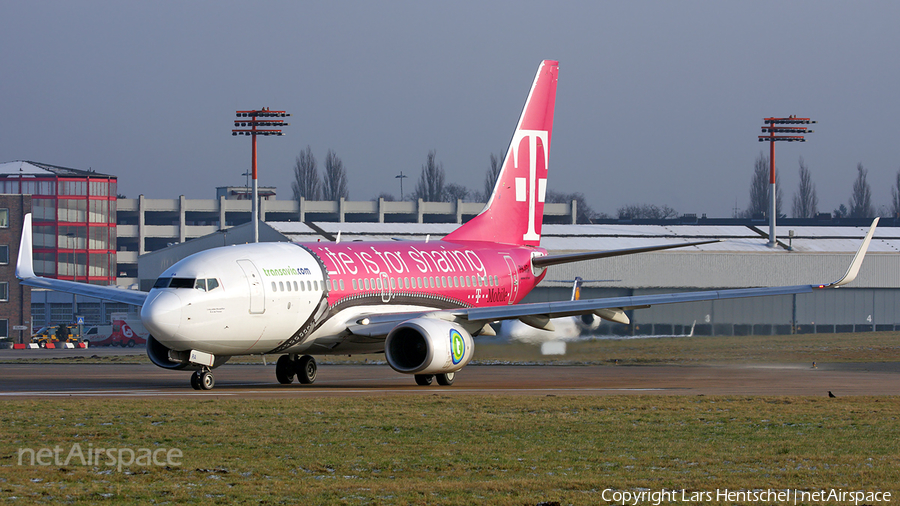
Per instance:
x=895, y=194
x=759, y=188
x=454, y=192
x=335, y=185
x=306, y=177
x=585, y=213
x=806, y=202
x=646, y=211
x=430, y=187
x=861, y=198
x=490, y=178
x=388, y=197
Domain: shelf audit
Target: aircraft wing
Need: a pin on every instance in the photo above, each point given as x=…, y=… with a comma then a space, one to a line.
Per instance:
x=26, y=275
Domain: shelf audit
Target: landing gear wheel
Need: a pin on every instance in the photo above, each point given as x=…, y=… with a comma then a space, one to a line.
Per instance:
x=446, y=379
x=207, y=381
x=195, y=380
x=284, y=369
x=423, y=380
x=306, y=370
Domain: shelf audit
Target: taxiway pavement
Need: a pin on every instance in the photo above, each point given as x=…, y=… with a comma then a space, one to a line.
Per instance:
x=33, y=380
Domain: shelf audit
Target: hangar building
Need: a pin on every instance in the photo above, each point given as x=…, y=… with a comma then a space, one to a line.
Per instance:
x=810, y=255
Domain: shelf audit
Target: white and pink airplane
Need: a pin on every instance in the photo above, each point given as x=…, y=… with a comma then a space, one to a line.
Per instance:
x=419, y=303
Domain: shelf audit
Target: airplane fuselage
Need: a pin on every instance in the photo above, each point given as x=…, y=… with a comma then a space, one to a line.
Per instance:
x=299, y=298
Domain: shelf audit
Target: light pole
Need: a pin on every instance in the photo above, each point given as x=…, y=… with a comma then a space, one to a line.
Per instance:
x=771, y=129
x=250, y=120
x=401, y=177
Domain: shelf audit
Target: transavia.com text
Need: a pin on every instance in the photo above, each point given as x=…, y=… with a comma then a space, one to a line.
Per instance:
x=90, y=456
x=768, y=496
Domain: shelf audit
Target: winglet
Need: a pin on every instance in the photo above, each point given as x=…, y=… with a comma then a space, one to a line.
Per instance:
x=853, y=270
x=25, y=262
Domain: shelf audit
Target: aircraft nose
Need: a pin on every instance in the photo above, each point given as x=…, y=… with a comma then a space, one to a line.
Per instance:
x=161, y=315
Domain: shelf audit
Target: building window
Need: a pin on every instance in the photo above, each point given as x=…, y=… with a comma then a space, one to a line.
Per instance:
x=4, y=328
x=4, y=254
x=4, y=218
x=4, y=291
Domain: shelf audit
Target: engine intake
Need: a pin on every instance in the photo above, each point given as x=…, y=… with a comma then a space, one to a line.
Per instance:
x=428, y=346
x=163, y=356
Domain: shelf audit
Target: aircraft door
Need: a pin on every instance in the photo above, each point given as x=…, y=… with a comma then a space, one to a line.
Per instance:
x=514, y=279
x=254, y=280
x=386, y=292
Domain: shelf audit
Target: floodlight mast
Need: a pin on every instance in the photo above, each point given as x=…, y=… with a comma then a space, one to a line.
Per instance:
x=254, y=130
x=771, y=129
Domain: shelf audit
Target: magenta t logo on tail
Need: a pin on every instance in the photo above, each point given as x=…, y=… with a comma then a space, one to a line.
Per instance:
x=515, y=211
x=532, y=187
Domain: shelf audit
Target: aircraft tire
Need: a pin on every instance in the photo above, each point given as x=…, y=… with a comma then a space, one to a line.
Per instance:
x=306, y=370
x=446, y=379
x=195, y=380
x=424, y=380
x=284, y=370
x=131, y=343
x=207, y=380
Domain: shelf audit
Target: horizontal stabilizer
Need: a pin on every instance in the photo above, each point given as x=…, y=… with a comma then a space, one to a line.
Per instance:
x=547, y=261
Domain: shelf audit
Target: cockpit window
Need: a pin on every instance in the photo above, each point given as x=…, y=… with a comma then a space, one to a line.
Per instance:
x=182, y=283
x=206, y=285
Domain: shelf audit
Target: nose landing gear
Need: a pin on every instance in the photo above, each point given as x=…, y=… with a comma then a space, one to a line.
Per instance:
x=304, y=368
x=203, y=380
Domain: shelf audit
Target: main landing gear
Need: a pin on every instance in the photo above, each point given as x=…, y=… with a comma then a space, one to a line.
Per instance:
x=444, y=380
x=304, y=368
x=203, y=379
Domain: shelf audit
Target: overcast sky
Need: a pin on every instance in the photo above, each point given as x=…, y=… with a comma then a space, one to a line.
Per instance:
x=658, y=101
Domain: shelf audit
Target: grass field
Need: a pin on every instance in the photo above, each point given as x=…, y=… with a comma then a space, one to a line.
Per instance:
x=442, y=450
x=470, y=449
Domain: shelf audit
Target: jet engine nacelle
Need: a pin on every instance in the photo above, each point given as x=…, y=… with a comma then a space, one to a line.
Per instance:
x=167, y=358
x=428, y=346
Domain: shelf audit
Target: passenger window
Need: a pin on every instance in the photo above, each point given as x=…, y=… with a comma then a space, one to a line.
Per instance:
x=341, y=281
x=302, y=287
x=367, y=283
x=274, y=288
x=316, y=285
x=309, y=286
x=353, y=282
x=212, y=284
x=393, y=284
x=200, y=284
x=295, y=287
x=288, y=286
x=379, y=284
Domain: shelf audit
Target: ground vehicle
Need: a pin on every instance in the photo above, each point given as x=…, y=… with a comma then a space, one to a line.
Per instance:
x=55, y=334
x=122, y=332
